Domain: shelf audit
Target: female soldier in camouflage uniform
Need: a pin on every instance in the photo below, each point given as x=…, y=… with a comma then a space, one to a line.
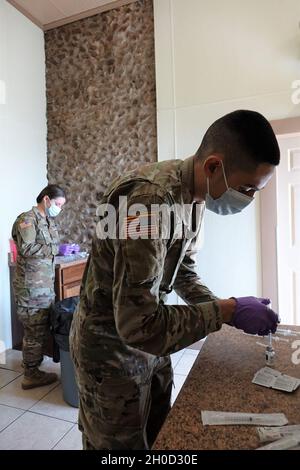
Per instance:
x=36, y=237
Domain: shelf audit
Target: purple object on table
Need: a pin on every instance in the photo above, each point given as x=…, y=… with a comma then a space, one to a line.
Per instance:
x=68, y=249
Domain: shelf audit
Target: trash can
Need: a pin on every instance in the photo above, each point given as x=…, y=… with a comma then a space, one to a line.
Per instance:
x=61, y=319
x=69, y=386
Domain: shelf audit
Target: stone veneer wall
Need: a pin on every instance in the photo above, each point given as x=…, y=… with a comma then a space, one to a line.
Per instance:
x=101, y=108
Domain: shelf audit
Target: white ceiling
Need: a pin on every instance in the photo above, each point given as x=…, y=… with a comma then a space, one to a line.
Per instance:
x=52, y=13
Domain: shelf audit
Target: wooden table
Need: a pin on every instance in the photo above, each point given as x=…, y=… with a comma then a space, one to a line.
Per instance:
x=68, y=276
x=220, y=380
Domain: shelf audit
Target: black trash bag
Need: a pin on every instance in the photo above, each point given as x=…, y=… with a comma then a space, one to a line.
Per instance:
x=61, y=316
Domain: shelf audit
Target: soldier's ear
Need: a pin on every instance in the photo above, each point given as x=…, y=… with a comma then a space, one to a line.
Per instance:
x=211, y=164
x=46, y=200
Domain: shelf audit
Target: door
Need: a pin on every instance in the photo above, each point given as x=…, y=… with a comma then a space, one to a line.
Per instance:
x=288, y=229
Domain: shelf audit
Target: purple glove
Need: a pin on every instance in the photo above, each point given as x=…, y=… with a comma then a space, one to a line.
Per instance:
x=253, y=315
x=65, y=249
x=68, y=249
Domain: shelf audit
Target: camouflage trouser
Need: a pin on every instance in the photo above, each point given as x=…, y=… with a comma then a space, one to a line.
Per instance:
x=119, y=413
x=36, y=326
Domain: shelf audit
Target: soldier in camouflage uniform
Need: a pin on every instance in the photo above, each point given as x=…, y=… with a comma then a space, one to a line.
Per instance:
x=123, y=333
x=36, y=237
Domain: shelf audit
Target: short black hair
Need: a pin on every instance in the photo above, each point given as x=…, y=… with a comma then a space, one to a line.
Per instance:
x=245, y=139
x=52, y=191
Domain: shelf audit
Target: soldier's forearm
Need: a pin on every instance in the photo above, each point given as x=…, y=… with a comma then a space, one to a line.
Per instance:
x=169, y=328
x=35, y=250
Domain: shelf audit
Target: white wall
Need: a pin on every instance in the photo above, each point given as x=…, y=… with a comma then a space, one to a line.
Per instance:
x=22, y=133
x=212, y=58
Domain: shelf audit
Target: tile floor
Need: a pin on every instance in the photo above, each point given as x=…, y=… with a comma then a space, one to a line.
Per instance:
x=39, y=419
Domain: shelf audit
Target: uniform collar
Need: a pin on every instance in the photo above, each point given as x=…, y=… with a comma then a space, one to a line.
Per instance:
x=187, y=191
x=187, y=179
x=38, y=214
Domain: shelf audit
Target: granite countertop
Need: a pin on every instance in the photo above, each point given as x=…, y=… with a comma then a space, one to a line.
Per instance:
x=220, y=380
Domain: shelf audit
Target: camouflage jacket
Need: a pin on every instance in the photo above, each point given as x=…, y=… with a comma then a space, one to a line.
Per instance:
x=122, y=321
x=37, y=240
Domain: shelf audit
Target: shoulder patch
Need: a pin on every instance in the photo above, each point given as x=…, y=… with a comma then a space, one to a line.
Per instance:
x=144, y=225
x=25, y=224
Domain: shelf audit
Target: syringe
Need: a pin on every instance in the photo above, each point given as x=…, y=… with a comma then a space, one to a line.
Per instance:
x=270, y=340
x=270, y=353
x=284, y=332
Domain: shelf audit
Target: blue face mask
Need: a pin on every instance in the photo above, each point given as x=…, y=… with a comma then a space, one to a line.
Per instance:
x=53, y=210
x=231, y=202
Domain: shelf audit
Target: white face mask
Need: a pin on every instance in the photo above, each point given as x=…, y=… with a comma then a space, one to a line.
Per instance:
x=53, y=210
x=231, y=201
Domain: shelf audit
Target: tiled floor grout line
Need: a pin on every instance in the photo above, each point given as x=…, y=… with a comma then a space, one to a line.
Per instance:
x=11, y=370
x=40, y=399
x=16, y=419
x=69, y=430
x=52, y=448
x=29, y=409
x=36, y=412
x=2, y=386
x=48, y=416
x=14, y=407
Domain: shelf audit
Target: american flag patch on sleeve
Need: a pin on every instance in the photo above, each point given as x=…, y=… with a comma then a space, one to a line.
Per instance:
x=25, y=224
x=144, y=225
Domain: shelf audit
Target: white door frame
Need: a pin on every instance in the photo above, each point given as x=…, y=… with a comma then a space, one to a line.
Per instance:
x=268, y=220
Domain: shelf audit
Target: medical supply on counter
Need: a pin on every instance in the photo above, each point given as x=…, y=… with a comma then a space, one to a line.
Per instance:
x=284, y=332
x=270, y=378
x=229, y=418
x=270, y=353
x=273, y=434
x=285, y=443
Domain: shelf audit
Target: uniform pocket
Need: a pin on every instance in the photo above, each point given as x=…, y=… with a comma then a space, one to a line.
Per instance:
x=121, y=401
x=53, y=234
x=46, y=236
x=39, y=273
x=28, y=234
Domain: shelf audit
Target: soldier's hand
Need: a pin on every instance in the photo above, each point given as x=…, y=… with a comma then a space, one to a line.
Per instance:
x=254, y=316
